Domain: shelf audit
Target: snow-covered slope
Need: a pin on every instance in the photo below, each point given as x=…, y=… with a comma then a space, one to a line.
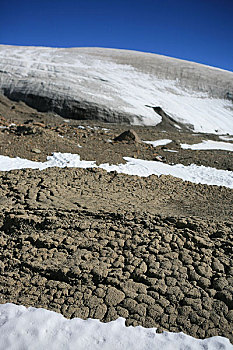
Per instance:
x=118, y=86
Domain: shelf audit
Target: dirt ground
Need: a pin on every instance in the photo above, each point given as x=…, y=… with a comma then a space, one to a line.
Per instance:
x=51, y=133
x=87, y=243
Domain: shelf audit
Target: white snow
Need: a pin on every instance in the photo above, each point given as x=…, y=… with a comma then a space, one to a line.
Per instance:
x=177, y=126
x=209, y=145
x=171, y=150
x=194, y=173
x=226, y=138
x=156, y=143
x=140, y=167
x=126, y=82
x=6, y=127
x=60, y=160
x=37, y=329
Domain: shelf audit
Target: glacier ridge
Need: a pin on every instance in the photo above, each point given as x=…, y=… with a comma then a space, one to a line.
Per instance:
x=118, y=86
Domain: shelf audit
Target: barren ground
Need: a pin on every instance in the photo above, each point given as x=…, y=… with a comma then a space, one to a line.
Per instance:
x=87, y=243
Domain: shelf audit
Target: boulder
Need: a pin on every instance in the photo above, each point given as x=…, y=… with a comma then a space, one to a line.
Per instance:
x=129, y=136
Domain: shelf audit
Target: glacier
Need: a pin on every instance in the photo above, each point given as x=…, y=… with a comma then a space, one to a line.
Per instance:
x=118, y=86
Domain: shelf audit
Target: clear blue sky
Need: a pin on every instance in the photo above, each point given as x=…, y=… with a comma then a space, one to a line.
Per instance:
x=196, y=30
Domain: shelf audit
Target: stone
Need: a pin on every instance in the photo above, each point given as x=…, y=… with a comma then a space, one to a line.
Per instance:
x=121, y=311
x=1, y=266
x=217, y=266
x=111, y=314
x=100, y=292
x=100, y=311
x=159, y=158
x=155, y=312
x=129, y=304
x=220, y=283
x=36, y=150
x=140, y=309
x=129, y=136
x=204, y=282
x=114, y=296
x=229, y=316
x=170, y=281
x=204, y=270
x=82, y=312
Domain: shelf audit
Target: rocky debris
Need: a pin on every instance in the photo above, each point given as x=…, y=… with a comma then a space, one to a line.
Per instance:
x=36, y=150
x=94, y=139
x=159, y=158
x=25, y=129
x=3, y=122
x=128, y=136
x=153, y=270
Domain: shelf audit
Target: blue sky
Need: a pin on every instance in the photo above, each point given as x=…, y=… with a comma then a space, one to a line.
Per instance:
x=200, y=30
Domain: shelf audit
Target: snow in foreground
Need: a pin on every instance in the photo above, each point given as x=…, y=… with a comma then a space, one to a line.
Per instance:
x=32, y=328
x=193, y=173
x=209, y=145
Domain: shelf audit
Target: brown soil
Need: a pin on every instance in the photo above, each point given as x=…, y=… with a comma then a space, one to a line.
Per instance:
x=87, y=243
x=51, y=133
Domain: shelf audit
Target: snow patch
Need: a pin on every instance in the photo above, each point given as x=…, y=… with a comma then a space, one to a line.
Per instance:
x=31, y=328
x=156, y=143
x=170, y=150
x=209, y=145
x=194, y=173
x=60, y=160
x=226, y=138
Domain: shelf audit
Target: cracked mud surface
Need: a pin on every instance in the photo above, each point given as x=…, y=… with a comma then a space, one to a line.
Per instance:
x=87, y=243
